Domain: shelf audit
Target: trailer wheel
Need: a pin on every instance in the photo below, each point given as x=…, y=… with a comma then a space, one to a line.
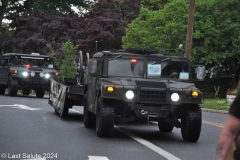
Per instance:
x=65, y=110
x=105, y=118
x=191, y=124
x=40, y=93
x=89, y=119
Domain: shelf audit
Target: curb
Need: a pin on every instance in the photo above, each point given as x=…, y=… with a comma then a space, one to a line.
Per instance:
x=214, y=111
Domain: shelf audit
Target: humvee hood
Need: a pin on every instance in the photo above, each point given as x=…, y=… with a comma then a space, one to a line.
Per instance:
x=148, y=83
x=33, y=69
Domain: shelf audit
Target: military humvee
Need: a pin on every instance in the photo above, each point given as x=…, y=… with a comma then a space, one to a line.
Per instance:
x=138, y=84
x=25, y=72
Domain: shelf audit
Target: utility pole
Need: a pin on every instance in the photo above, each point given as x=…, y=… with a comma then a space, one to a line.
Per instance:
x=190, y=28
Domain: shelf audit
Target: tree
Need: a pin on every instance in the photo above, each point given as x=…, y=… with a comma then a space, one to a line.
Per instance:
x=68, y=68
x=104, y=23
x=154, y=4
x=162, y=30
x=12, y=9
x=216, y=40
x=216, y=32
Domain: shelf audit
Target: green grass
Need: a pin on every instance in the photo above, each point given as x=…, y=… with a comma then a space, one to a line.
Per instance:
x=216, y=103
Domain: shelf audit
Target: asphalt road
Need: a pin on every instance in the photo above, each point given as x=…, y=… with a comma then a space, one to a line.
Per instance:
x=30, y=129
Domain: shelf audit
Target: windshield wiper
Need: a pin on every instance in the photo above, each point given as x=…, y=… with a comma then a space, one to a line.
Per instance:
x=115, y=57
x=157, y=62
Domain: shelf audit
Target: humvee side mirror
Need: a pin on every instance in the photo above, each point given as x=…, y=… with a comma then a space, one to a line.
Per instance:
x=200, y=72
x=3, y=62
x=92, y=66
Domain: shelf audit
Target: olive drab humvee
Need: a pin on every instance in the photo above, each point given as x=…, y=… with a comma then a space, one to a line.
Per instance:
x=128, y=85
x=25, y=72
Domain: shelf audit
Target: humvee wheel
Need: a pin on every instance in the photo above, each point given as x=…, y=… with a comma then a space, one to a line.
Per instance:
x=2, y=90
x=40, y=93
x=26, y=91
x=65, y=111
x=89, y=119
x=56, y=111
x=164, y=126
x=12, y=89
x=191, y=124
x=104, y=119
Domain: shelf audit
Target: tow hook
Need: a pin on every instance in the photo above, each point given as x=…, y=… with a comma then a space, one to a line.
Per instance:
x=145, y=113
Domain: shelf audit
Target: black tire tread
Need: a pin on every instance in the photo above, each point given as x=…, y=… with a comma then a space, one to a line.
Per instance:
x=65, y=111
x=12, y=90
x=191, y=125
x=106, y=119
x=40, y=93
x=89, y=119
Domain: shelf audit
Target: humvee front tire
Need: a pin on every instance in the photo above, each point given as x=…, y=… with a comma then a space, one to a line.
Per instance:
x=191, y=124
x=105, y=119
x=40, y=93
x=89, y=119
x=2, y=90
x=164, y=126
x=12, y=89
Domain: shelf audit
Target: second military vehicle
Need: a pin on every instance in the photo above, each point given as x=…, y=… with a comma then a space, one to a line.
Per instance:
x=127, y=85
x=25, y=72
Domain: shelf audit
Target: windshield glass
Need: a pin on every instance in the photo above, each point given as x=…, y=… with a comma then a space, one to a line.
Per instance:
x=127, y=67
x=168, y=69
x=43, y=62
x=156, y=69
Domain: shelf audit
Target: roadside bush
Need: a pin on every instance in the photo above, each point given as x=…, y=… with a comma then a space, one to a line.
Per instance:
x=66, y=62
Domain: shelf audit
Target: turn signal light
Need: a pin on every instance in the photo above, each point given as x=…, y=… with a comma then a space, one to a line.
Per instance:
x=195, y=94
x=110, y=89
x=57, y=74
x=134, y=60
x=15, y=72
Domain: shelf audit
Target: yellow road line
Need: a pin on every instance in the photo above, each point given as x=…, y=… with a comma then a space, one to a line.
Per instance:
x=213, y=124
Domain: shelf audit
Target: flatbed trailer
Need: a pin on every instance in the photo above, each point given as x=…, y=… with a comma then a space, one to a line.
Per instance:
x=63, y=97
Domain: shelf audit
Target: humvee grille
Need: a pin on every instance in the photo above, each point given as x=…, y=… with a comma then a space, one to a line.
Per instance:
x=153, y=96
x=37, y=74
x=151, y=84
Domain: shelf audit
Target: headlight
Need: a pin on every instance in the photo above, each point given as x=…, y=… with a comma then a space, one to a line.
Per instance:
x=25, y=74
x=175, y=97
x=47, y=75
x=32, y=74
x=129, y=94
x=41, y=74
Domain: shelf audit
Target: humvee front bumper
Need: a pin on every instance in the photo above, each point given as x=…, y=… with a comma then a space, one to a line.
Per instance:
x=32, y=83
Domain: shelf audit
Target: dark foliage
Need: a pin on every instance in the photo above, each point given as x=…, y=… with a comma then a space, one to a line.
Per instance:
x=105, y=23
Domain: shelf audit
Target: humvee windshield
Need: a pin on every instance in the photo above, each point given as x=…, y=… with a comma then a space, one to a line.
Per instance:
x=133, y=67
x=43, y=62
